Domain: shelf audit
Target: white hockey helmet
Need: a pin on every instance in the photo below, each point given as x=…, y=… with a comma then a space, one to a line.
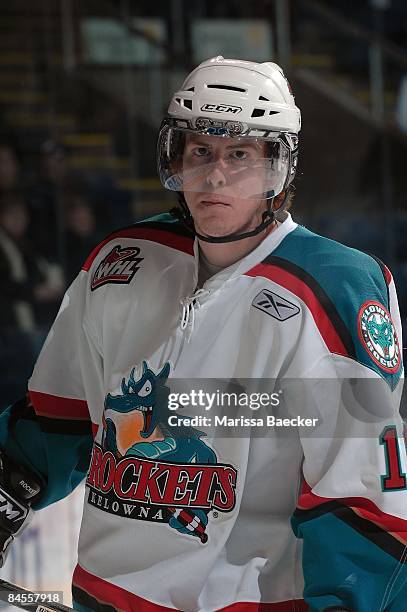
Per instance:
x=246, y=101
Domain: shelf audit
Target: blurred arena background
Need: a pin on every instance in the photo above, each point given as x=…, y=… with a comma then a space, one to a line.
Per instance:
x=83, y=87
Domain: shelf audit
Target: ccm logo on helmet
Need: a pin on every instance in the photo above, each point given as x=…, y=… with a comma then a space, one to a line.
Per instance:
x=221, y=108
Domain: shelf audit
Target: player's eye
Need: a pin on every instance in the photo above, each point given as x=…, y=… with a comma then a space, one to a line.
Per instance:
x=239, y=155
x=201, y=151
x=145, y=389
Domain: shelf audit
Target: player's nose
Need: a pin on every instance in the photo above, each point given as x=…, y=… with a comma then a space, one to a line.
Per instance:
x=216, y=177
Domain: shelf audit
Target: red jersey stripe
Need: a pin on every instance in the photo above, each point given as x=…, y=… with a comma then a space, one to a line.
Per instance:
x=279, y=606
x=365, y=508
x=387, y=274
x=110, y=594
x=304, y=292
x=55, y=407
x=170, y=239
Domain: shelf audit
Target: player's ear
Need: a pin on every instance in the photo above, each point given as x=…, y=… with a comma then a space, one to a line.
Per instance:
x=278, y=201
x=286, y=197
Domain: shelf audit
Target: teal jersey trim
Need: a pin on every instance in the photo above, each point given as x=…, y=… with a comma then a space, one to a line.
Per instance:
x=165, y=217
x=342, y=567
x=348, y=277
x=81, y=607
x=61, y=460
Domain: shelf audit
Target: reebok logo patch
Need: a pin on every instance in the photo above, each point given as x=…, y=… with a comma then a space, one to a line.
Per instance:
x=274, y=305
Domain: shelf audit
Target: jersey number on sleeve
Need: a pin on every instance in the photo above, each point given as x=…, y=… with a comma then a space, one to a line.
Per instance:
x=394, y=479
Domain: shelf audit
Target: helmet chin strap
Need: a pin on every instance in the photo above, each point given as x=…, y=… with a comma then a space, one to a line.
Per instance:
x=267, y=219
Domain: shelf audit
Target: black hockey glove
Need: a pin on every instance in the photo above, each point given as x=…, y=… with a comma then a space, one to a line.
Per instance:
x=19, y=488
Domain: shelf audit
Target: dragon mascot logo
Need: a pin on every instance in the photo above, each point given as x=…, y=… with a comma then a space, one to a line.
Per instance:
x=147, y=470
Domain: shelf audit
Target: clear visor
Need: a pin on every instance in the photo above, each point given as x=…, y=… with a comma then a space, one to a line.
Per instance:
x=238, y=167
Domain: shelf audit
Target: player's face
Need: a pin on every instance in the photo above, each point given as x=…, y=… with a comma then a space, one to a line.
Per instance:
x=223, y=171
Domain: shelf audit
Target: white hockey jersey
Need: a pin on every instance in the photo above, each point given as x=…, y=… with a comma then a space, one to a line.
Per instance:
x=287, y=516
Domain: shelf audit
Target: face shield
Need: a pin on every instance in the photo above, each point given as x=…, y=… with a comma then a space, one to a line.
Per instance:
x=234, y=166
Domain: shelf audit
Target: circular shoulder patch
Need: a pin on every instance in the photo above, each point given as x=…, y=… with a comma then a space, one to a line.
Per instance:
x=378, y=336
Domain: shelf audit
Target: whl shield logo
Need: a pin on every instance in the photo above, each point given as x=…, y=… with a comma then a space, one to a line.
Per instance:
x=119, y=266
x=274, y=305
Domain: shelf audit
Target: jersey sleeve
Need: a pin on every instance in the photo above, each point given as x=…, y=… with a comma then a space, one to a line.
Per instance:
x=352, y=506
x=50, y=431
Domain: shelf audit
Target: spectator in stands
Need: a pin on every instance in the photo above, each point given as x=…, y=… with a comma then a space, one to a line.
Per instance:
x=30, y=287
x=81, y=235
x=48, y=198
x=29, y=293
x=9, y=166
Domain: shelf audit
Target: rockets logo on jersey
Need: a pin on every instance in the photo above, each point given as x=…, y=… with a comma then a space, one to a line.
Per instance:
x=145, y=469
x=119, y=266
x=148, y=490
x=378, y=336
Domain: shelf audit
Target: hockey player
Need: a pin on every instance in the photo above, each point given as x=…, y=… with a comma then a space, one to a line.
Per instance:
x=235, y=290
